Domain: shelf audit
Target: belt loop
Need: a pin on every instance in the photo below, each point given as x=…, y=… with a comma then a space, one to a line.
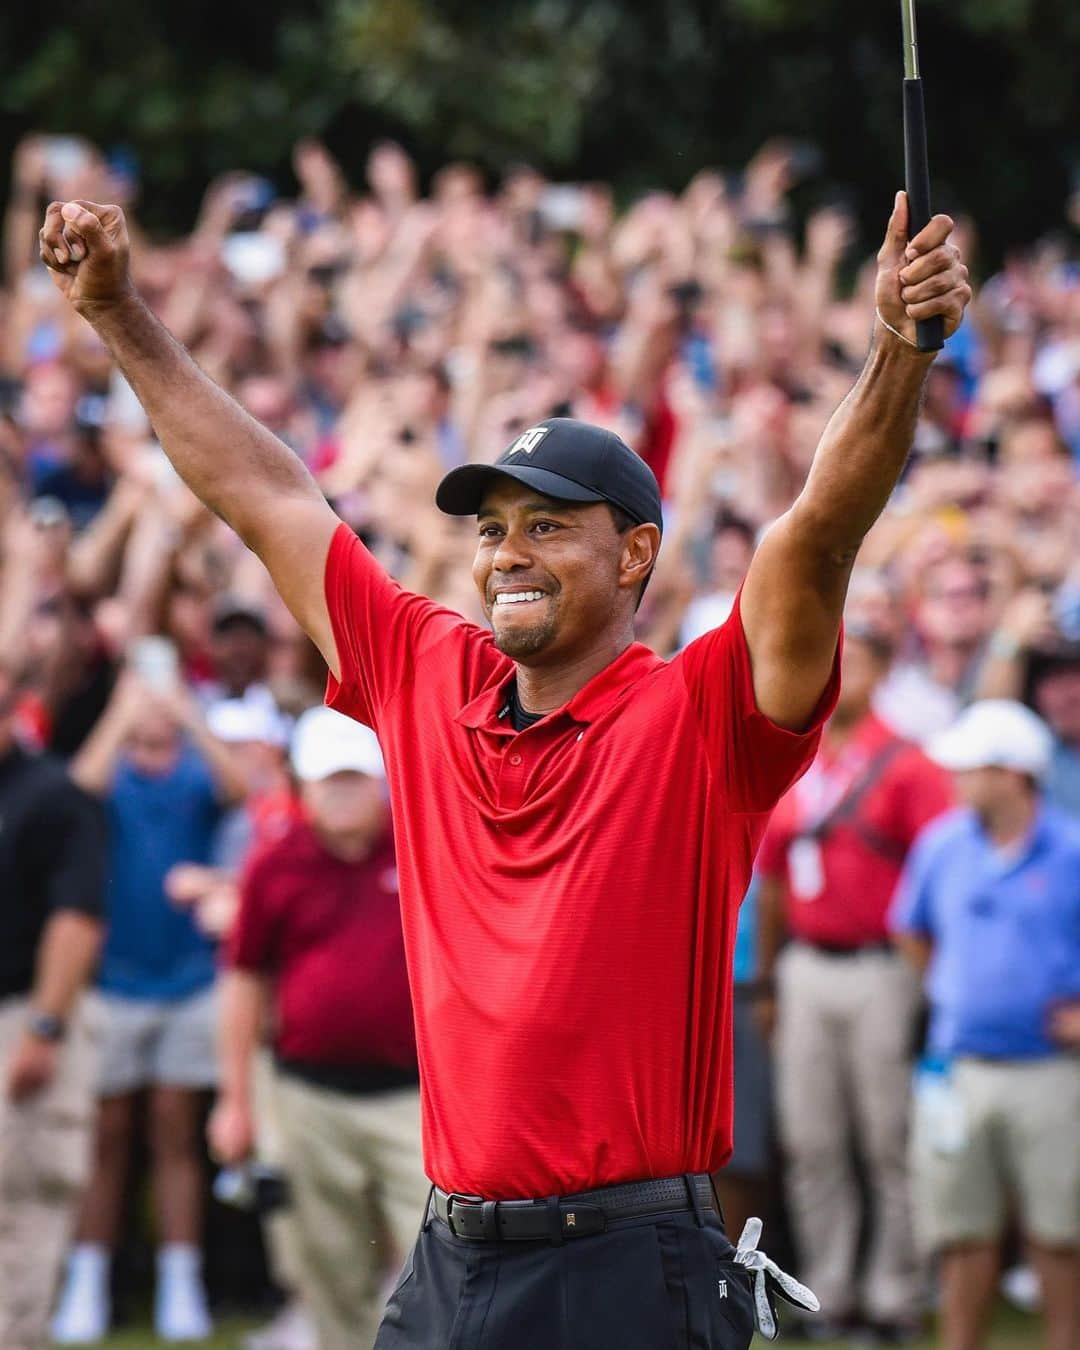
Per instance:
x=489, y=1225
x=554, y=1214
x=428, y=1209
x=695, y=1200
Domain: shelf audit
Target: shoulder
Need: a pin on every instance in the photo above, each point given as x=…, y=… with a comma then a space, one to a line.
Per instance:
x=1063, y=830
x=45, y=785
x=942, y=836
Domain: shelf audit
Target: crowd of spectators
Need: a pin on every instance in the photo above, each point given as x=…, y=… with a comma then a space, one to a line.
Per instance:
x=387, y=336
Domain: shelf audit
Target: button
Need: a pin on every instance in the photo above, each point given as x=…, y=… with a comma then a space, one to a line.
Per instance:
x=515, y=760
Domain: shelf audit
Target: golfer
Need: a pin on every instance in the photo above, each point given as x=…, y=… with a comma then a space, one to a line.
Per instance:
x=575, y=818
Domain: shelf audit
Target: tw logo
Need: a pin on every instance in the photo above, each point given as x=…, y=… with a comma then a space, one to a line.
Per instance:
x=527, y=442
x=723, y=1288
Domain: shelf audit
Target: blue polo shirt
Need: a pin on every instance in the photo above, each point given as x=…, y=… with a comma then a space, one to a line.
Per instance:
x=1005, y=929
x=154, y=949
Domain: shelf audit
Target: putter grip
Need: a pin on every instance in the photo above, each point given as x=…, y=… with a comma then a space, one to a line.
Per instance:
x=930, y=333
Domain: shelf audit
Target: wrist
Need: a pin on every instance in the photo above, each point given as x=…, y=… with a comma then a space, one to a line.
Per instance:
x=100, y=310
x=887, y=337
x=45, y=1026
x=1003, y=645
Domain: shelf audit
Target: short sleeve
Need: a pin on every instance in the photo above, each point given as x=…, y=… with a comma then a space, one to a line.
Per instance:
x=252, y=940
x=70, y=838
x=380, y=629
x=912, y=908
x=754, y=760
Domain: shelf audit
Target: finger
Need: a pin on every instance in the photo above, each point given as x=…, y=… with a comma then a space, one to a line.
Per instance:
x=951, y=305
x=937, y=260
x=941, y=284
x=52, y=236
x=931, y=236
x=76, y=245
x=896, y=230
x=85, y=222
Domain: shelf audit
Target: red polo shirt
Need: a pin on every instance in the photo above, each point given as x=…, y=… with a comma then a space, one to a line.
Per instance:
x=329, y=933
x=850, y=907
x=569, y=893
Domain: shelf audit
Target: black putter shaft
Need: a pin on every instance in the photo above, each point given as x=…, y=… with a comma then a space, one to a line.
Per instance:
x=930, y=333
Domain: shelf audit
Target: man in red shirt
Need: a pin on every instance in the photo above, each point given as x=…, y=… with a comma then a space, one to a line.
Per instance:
x=829, y=864
x=575, y=819
x=317, y=938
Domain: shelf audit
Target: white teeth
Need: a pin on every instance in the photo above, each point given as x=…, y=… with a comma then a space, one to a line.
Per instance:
x=516, y=597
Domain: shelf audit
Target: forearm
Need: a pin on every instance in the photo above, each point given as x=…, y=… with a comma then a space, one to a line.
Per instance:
x=228, y=460
x=915, y=948
x=225, y=769
x=92, y=768
x=67, y=955
x=772, y=927
x=243, y=996
x=864, y=448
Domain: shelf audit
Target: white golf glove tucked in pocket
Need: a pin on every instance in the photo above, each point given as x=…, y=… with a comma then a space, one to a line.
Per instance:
x=765, y=1271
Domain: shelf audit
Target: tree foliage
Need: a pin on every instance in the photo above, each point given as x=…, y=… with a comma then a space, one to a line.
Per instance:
x=639, y=91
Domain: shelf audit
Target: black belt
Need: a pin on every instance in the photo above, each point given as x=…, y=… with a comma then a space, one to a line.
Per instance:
x=568, y=1216
x=835, y=949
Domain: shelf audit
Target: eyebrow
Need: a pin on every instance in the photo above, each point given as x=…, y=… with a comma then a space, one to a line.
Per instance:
x=538, y=506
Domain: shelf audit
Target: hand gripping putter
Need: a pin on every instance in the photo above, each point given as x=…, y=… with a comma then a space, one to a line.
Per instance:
x=930, y=333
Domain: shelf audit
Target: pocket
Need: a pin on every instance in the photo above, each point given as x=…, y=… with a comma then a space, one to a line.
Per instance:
x=716, y=1292
x=616, y=1291
x=734, y=1300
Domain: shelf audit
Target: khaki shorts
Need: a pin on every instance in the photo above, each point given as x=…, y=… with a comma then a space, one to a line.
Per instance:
x=1006, y=1138
x=168, y=1044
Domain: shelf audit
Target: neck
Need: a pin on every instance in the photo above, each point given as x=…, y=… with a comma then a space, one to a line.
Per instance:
x=346, y=845
x=1008, y=822
x=949, y=664
x=843, y=724
x=542, y=689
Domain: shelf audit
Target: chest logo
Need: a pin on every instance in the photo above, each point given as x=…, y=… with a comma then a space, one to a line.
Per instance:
x=527, y=442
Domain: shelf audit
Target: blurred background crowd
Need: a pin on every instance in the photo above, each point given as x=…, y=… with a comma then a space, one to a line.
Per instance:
x=387, y=333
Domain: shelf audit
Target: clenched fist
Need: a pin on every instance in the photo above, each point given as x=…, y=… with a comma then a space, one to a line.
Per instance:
x=921, y=278
x=86, y=247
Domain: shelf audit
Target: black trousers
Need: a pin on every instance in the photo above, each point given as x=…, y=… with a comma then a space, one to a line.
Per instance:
x=661, y=1283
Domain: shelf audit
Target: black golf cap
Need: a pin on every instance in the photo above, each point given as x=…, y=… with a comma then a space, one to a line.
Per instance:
x=562, y=458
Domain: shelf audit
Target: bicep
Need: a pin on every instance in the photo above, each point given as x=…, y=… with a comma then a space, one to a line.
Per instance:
x=792, y=605
x=293, y=545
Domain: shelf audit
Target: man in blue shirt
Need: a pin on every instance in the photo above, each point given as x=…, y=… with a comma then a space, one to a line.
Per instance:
x=163, y=779
x=989, y=905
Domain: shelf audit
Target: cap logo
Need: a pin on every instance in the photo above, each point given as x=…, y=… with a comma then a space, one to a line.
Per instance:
x=527, y=442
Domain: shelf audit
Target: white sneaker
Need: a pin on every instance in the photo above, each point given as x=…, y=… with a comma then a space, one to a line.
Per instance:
x=83, y=1313
x=180, y=1308
x=292, y=1329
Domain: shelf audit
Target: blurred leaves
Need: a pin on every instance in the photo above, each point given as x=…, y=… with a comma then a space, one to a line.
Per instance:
x=643, y=92
x=485, y=89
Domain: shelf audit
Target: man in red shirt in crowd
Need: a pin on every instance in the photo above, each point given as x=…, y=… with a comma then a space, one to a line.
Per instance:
x=847, y=1001
x=575, y=818
x=317, y=938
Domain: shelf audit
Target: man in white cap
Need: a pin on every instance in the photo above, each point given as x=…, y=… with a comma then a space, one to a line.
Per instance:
x=989, y=905
x=318, y=938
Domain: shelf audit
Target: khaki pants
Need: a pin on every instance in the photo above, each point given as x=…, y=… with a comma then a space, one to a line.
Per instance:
x=358, y=1187
x=843, y=1074
x=45, y=1153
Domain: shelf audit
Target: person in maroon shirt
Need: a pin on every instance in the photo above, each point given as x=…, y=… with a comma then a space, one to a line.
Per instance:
x=575, y=818
x=829, y=864
x=317, y=940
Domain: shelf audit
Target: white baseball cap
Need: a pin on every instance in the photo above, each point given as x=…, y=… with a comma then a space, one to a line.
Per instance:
x=248, y=719
x=995, y=733
x=326, y=742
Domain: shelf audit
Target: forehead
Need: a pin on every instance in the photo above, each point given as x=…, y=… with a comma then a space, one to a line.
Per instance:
x=506, y=495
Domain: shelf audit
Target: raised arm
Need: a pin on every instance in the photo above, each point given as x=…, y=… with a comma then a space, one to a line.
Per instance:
x=239, y=469
x=794, y=593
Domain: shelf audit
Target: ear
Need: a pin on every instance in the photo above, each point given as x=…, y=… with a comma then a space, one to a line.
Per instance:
x=640, y=547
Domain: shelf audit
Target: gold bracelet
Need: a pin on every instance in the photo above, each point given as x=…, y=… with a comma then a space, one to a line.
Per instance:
x=895, y=331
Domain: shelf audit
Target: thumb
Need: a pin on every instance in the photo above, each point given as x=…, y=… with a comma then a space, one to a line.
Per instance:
x=896, y=234
x=83, y=221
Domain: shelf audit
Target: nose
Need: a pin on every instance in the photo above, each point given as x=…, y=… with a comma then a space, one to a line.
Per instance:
x=511, y=553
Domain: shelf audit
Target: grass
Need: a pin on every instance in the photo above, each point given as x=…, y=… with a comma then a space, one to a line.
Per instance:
x=1012, y=1331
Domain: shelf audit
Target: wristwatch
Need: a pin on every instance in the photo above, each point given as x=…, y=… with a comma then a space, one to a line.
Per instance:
x=46, y=1026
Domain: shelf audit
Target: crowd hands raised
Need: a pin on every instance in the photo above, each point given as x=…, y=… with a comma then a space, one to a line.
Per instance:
x=386, y=336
